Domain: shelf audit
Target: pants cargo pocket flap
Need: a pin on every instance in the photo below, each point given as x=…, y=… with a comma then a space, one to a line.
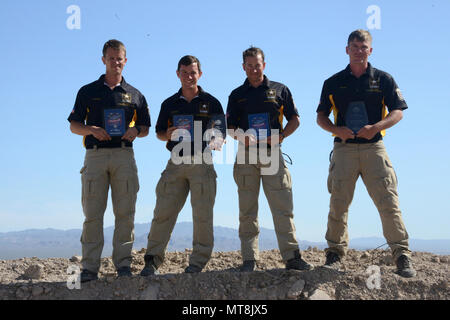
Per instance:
x=89, y=183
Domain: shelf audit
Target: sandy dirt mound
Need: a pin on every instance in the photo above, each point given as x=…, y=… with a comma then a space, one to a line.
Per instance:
x=364, y=275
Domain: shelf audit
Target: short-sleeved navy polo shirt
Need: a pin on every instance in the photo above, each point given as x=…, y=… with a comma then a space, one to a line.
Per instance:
x=94, y=98
x=202, y=107
x=376, y=88
x=270, y=97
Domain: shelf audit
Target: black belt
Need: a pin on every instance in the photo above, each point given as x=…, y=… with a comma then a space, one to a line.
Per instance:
x=106, y=147
x=355, y=141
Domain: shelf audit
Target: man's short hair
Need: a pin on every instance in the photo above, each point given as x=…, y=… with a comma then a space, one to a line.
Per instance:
x=114, y=44
x=187, y=61
x=360, y=35
x=252, y=52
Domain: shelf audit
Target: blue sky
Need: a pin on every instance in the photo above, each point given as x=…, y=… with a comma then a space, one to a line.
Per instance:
x=45, y=63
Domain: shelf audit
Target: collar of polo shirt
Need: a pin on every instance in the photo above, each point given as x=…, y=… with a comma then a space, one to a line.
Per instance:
x=265, y=83
x=369, y=71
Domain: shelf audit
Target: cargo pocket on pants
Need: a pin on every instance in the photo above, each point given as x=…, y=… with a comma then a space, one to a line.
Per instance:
x=88, y=184
x=212, y=183
x=385, y=189
x=126, y=187
x=166, y=184
x=93, y=223
x=247, y=182
x=244, y=179
x=278, y=190
x=278, y=182
x=203, y=188
x=197, y=188
x=392, y=172
x=330, y=177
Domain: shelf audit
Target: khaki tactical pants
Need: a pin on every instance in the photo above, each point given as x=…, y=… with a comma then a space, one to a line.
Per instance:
x=171, y=192
x=371, y=162
x=278, y=191
x=102, y=168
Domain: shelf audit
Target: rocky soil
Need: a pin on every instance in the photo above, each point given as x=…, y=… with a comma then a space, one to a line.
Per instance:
x=49, y=279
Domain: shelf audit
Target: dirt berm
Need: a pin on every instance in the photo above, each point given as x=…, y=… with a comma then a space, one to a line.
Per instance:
x=364, y=275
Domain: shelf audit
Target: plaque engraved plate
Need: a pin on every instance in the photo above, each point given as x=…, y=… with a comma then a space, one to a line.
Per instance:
x=356, y=116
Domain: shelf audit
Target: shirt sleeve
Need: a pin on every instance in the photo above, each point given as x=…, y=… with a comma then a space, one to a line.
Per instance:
x=163, y=119
x=289, y=109
x=79, y=110
x=393, y=97
x=143, y=115
x=217, y=107
x=232, y=114
x=325, y=103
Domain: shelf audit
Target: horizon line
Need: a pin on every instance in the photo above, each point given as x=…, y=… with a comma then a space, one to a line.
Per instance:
x=234, y=228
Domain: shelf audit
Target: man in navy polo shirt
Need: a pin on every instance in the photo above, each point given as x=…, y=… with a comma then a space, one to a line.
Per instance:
x=365, y=102
x=190, y=109
x=109, y=113
x=262, y=104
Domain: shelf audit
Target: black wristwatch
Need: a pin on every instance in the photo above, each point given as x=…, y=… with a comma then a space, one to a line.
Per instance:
x=138, y=129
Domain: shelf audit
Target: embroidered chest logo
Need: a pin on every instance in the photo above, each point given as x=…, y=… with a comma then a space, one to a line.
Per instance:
x=204, y=108
x=374, y=83
x=271, y=94
x=126, y=97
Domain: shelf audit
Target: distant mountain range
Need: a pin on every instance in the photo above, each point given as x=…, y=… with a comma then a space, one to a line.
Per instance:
x=46, y=243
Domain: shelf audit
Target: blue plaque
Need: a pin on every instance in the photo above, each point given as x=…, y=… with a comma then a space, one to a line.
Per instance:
x=259, y=121
x=356, y=116
x=186, y=124
x=114, y=122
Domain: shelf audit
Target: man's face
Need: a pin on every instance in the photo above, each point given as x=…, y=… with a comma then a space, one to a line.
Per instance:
x=114, y=60
x=358, y=51
x=189, y=75
x=254, y=68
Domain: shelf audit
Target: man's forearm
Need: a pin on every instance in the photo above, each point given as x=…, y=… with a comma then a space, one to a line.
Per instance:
x=291, y=126
x=143, y=131
x=325, y=123
x=391, y=119
x=80, y=128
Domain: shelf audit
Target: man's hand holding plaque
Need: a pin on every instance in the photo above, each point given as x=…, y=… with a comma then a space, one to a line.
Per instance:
x=130, y=134
x=356, y=121
x=367, y=132
x=216, y=143
x=169, y=133
x=344, y=133
x=99, y=133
